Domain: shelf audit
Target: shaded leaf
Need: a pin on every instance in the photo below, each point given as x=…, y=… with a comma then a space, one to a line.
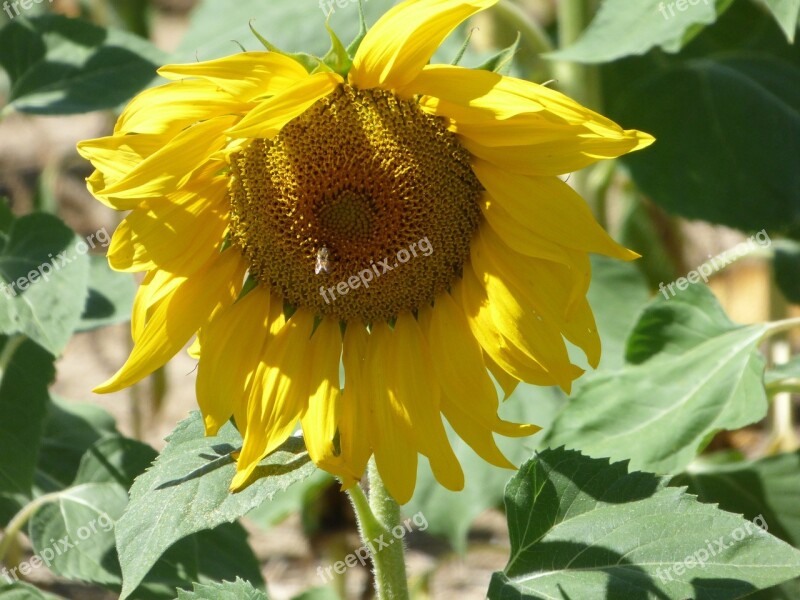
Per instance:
x=584, y=528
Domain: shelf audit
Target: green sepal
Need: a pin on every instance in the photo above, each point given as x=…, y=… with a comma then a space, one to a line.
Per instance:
x=501, y=62
x=311, y=63
x=362, y=32
x=337, y=58
x=463, y=49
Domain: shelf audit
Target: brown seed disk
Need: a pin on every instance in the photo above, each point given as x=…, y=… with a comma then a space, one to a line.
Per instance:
x=365, y=175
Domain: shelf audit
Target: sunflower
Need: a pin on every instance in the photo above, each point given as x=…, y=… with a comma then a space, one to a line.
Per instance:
x=402, y=220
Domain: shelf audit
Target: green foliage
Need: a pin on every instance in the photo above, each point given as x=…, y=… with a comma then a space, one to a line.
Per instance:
x=697, y=374
x=586, y=528
x=186, y=491
x=240, y=590
x=61, y=66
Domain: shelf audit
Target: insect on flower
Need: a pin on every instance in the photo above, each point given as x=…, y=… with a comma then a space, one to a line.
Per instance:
x=322, y=263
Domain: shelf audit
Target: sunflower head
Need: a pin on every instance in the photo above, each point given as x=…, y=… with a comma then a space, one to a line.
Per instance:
x=401, y=219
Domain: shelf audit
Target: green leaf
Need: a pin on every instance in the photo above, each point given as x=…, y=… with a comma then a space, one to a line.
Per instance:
x=624, y=28
x=110, y=298
x=696, y=380
x=74, y=535
x=23, y=408
x=70, y=429
x=786, y=13
x=584, y=528
x=743, y=103
x=290, y=501
x=617, y=294
x=186, y=491
x=24, y=591
x=768, y=487
x=62, y=66
x=45, y=272
x=240, y=590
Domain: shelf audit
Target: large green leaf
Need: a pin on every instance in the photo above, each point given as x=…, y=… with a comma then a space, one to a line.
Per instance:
x=23, y=408
x=61, y=66
x=239, y=590
x=186, y=491
x=769, y=487
x=110, y=298
x=45, y=274
x=698, y=378
x=624, y=28
x=70, y=430
x=584, y=528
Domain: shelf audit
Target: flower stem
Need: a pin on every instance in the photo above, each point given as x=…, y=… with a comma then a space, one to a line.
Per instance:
x=376, y=518
x=20, y=519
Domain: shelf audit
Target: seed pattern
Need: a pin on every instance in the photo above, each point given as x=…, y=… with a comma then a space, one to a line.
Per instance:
x=363, y=174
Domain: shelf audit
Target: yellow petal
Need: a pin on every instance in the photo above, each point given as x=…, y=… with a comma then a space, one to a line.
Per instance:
x=170, y=108
x=267, y=119
x=403, y=40
x=414, y=386
x=548, y=208
x=546, y=287
x=469, y=399
x=231, y=351
x=390, y=431
x=507, y=382
x=245, y=76
x=279, y=395
x=178, y=316
x=354, y=420
x=325, y=405
x=520, y=322
x=522, y=126
x=168, y=169
x=475, y=302
x=178, y=235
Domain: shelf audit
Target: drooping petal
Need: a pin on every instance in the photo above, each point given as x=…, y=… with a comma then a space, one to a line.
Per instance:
x=403, y=40
x=167, y=109
x=155, y=236
x=231, y=345
x=390, y=423
x=279, y=396
x=244, y=76
x=546, y=287
x=414, y=386
x=469, y=399
x=169, y=168
x=188, y=307
x=321, y=421
x=270, y=115
x=521, y=126
x=549, y=209
x=354, y=421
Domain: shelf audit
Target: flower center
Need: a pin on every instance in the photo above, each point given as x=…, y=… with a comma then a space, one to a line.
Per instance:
x=362, y=207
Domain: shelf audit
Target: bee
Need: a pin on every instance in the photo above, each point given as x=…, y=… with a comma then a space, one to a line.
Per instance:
x=322, y=263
